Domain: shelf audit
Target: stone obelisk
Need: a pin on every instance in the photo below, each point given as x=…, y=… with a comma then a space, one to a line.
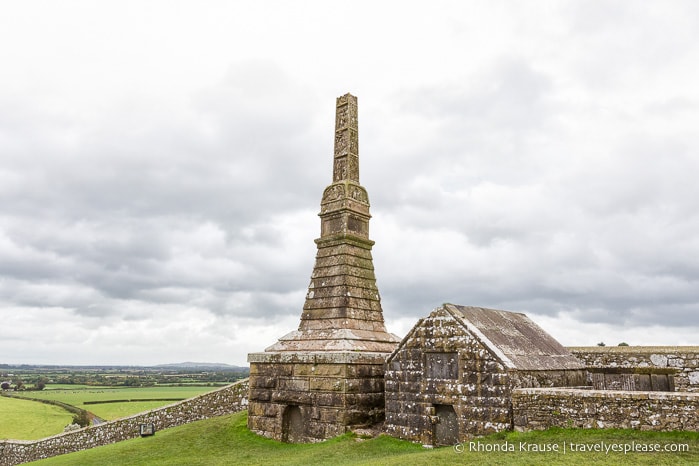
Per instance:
x=327, y=376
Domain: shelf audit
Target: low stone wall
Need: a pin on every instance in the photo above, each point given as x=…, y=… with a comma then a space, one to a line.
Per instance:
x=541, y=408
x=229, y=399
x=683, y=359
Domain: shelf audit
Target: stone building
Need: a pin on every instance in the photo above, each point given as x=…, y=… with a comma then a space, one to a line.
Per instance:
x=328, y=376
x=452, y=376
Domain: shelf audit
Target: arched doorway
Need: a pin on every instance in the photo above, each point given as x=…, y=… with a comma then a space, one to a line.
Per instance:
x=446, y=431
x=292, y=425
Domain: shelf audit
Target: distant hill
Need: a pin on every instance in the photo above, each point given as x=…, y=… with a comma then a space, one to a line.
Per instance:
x=202, y=366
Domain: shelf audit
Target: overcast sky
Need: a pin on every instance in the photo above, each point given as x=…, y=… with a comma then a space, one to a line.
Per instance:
x=162, y=164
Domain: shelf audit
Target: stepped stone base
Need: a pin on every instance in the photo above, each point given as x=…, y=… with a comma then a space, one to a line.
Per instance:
x=312, y=396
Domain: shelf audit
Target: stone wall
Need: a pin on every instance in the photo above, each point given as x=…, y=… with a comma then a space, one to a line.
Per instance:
x=309, y=397
x=683, y=360
x=226, y=400
x=467, y=377
x=541, y=408
x=445, y=385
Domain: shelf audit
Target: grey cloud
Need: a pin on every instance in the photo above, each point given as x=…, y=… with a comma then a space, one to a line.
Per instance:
x=232, y=142
x=119, y=212
x=466, y=133
x=554, y=176
x=559, y=222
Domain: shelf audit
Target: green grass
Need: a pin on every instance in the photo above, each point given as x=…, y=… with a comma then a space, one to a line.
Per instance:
x=29, y=420
x=66, y=386
x=226, y=440
x=32, y=420
x=78, y=396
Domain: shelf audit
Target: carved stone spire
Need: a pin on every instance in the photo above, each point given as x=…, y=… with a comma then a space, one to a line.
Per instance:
x=328, y=376
x=346, y=163
x=344, y=209
x=343, y=308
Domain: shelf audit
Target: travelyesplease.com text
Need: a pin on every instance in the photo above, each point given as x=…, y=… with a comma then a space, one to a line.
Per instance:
x=564, y=447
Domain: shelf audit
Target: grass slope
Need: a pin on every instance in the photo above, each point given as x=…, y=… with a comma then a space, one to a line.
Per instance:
x=226, y=440
x=78, y=397
x=29, y=420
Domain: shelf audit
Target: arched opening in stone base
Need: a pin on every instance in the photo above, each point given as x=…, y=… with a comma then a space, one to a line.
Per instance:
x=292, y=425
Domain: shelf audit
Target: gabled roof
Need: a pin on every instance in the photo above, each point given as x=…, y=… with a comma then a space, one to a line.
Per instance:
x=514, y=338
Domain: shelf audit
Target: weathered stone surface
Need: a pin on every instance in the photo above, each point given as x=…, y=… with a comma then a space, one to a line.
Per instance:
x=681, y=362
x=448, y=371
x=328, y=272
x=285, y=360
x=328, y=374
x=320, y=370
x=264, y=382
x=342, y=295
x=345, y=303
x=261, y=395
x=334, y=391
x=541, y=408
x=299, y=384
x=273, y=368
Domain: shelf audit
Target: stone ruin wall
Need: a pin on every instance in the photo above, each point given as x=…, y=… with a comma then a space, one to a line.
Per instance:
x=541, y=408
x=547, y=378
x=480, y=397
x=682, y=360
x=645, y=410
x=332, y=392
x=410, y=396
x=478, y=386
x=227, y=400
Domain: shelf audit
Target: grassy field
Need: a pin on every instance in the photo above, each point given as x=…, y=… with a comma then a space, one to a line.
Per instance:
x=226, y=440
x=66, y=386
x=29, y=420
x=97, y=399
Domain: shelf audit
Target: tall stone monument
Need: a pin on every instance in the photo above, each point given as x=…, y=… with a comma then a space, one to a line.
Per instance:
x=327, y=377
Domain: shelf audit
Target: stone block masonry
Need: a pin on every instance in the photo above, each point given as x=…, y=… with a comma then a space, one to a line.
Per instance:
x=327, y=376
x=308, y=397
x=477, y=387
x=342, y=310
x=452, y=376
x=683, y=361
x=541, y=408
x=227, y=400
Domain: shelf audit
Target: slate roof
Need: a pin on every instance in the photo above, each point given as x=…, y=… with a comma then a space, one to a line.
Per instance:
x=514, y=338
